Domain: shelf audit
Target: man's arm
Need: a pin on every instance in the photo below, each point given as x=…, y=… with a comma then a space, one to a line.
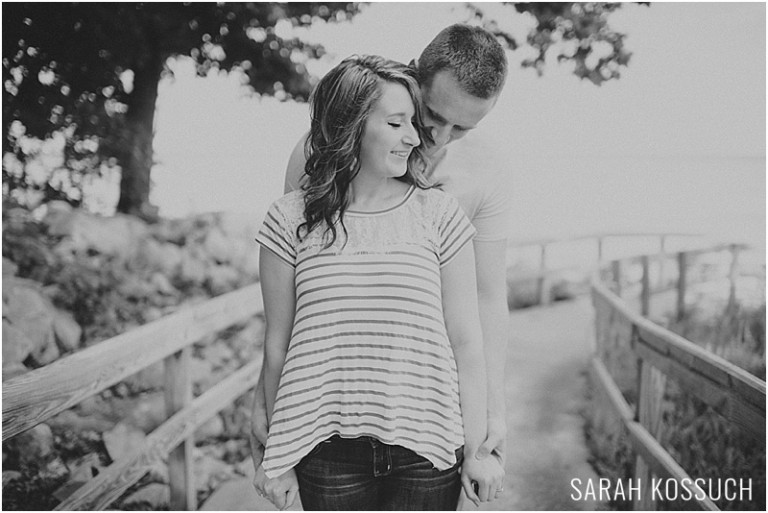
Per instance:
x=294, y=173
x=490, y=263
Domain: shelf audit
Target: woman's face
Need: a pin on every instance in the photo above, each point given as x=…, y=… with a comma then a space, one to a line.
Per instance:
x=389, y=134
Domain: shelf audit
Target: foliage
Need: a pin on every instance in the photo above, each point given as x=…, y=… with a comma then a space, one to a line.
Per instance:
x=85, y=75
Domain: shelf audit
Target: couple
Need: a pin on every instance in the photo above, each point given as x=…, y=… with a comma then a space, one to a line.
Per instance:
x=385, y=296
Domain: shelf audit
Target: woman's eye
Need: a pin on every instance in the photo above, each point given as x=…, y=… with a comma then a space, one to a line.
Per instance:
x=395, y=125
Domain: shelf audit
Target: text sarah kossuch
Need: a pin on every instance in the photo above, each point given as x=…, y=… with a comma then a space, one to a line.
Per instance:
x=686, y=489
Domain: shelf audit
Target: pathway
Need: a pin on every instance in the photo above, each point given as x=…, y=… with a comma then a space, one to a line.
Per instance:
x=547, y=358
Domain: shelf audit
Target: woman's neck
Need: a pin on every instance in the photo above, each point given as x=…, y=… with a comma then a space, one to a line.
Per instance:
x=374, y=195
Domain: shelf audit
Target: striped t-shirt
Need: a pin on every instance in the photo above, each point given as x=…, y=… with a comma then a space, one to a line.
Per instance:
x=369, y=354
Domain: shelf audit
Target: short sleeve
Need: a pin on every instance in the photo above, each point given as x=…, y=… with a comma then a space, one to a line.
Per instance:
x=454, y=230
x=492, y=216
x=276, y=235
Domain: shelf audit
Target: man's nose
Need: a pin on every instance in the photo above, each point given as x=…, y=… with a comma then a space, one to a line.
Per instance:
x=441, y=135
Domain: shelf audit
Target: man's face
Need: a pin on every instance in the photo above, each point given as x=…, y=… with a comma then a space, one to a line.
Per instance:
x=449, y=111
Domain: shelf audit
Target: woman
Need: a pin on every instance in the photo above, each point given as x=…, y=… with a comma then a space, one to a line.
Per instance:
x=374, y=366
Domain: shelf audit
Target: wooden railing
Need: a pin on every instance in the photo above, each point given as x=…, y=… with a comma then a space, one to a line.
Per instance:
x=545, y=272
x=660, y=354
x=38, y=395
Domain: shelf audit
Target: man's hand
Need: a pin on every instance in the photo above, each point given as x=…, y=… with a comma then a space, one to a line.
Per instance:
x=496, y=441
x=481, y=479
x=281, y=491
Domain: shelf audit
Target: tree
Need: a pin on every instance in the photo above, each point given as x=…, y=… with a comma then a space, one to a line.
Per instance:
x=90, y=72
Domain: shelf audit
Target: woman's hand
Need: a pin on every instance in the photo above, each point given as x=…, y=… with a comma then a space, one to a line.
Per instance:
x=481, y=479
x=281, y=491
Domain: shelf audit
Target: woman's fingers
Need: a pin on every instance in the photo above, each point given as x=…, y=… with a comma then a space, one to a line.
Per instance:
x=469, y=490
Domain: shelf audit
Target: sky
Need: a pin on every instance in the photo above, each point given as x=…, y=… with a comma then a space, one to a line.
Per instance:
x=694, y=92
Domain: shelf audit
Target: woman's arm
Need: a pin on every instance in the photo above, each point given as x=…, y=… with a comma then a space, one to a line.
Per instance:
x=279, y=293
x=462, y=320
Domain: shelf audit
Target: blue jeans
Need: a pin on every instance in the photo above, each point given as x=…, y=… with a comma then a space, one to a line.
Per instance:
x=366, y=474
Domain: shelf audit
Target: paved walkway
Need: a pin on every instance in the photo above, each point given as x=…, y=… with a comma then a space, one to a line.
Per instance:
x=549, y=348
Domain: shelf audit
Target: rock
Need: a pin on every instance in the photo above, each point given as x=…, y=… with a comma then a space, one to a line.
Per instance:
x=162, y=284
x=148, y=378
x=9, y=476
x=222, y=278
x=37, y=445
x=209, y=472
x=67, y=331
x=116, y=236
x=11, y=370
x=85, y=468
x=218, y=354
x=124, y=439
x=212, y=428
x=218, y=246
x=54, y=470
x=28, y=310
x=45, y=355
x=191, y=269
x=202, y=373
x=16, y=345
x=82, y=470
x=9, y=268
x=145, y=412
x=68, y=419
x=156, y=495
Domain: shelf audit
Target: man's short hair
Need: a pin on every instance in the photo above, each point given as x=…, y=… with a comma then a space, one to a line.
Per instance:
x=472, y=54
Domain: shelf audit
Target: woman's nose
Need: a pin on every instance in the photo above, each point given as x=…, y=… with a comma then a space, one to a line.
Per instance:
x=412, y=137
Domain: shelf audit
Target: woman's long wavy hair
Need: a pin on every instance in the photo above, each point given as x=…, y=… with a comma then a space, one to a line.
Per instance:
x=340, y=106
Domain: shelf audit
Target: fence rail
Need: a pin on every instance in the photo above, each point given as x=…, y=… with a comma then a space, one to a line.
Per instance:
x=660, y=354
x=38, y=395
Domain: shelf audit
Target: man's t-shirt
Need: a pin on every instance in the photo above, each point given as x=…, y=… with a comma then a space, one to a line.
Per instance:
x=465, y=170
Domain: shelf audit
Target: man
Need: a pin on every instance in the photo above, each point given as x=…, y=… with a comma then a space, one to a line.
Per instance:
x=461, y=73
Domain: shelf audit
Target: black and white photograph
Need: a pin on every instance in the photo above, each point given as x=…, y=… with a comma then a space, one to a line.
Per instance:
x=428, y=256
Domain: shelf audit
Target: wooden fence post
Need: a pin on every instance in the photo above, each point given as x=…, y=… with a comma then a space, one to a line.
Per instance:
x=178, y=394
x=682, y=266
x=616, y=266
x=662, y=261
x=541, y=289
x=645, y=293
x=733, y=274
x=651, y=386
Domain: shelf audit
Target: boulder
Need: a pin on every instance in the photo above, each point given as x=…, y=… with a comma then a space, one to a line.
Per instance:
x=123, y=440
x=116, y=236
x=11, y=370
x=70, y=420
x=148, y=378
x=212, y=428
x=29, y=311
x=9, y=476
x=155, y=495
x=162, y=284
x=192, y=269
x=218, y=246
x=16, y=346
x=222, y=278
x=36, y=444
x=145, y=412
x=67, y=331
x=9, y=268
